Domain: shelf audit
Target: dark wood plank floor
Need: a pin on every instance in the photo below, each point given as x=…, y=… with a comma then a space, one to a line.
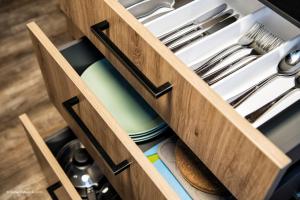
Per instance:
x=22, y=91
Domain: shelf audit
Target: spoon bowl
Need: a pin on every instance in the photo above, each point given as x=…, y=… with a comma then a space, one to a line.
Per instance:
x=290, y=65
x=148, y=7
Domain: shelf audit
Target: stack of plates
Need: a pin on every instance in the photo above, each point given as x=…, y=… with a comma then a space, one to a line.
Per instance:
x=129, y=109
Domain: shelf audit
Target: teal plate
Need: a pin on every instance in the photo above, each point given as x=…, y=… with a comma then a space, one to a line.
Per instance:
x=128, y=108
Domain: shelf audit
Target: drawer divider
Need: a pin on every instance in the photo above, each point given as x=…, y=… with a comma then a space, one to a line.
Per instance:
x=156, y=92
x=115, y=168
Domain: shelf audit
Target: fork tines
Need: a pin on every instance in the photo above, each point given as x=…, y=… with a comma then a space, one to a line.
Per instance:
x=263, y=40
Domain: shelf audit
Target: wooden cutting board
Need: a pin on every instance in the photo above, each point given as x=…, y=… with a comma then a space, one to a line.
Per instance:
x=166, y=153
x=195, y=172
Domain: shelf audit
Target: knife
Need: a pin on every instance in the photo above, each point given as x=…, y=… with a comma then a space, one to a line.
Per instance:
x=206, y=24
x=233, y=68
x=210, y=27
x=186, y=27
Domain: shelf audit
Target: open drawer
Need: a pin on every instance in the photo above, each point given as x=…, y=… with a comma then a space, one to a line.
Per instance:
x=123, y=163
x=244, y=159
x=60, y=185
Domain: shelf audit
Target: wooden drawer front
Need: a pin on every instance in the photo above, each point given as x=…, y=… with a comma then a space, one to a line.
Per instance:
x=246, y=162
x=94, y=126
x=60, y=184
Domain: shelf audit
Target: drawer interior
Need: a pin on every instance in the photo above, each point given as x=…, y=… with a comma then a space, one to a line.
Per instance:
x=80, y=54
x=58, y=141
x=89, y=54
x=265, y=65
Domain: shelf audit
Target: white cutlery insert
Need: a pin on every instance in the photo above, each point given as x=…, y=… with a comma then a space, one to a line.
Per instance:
x=198, y=52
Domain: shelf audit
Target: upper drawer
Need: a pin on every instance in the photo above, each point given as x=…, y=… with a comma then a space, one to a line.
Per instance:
x=123, y=163
x=247, y=163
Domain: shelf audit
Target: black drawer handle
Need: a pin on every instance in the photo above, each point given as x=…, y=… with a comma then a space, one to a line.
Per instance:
x=98, y=29
x=116, y=169
x=52, y=188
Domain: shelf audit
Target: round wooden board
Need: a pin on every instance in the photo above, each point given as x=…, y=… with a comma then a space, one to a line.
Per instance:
x=195, y=172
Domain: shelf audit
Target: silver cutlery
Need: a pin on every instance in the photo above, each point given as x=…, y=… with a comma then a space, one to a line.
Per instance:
x=148, y=7
x=254, y=116
x=128, y=3
x=229, y=69
x=228, y=61
x=153, y=17
x=257, y=37
x=288, y=66
x=191, y=26
x=209, y=27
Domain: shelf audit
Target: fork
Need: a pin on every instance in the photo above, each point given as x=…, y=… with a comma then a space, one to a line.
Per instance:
x=255, y=38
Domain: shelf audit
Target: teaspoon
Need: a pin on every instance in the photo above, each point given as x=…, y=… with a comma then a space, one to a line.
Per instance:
x=128, y=3
x=147, y=8
x=288, y=66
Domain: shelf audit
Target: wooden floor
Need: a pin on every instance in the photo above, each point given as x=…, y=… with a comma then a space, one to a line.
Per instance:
x=22, y=91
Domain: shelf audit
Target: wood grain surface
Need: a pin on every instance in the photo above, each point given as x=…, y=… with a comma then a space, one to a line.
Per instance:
x=140, y=180
x=246, y=162
x=22, y=90
x=195, y=172
x=48, y=162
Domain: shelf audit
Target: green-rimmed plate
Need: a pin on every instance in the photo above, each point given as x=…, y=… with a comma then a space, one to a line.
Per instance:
x=124, y=103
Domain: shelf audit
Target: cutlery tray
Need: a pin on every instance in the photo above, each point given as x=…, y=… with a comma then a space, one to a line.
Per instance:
x=191, y=11
x=200, y=51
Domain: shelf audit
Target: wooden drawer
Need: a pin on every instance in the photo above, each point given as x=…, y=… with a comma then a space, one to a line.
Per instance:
x=246, y=161
x=60, y=185
x=123, y=163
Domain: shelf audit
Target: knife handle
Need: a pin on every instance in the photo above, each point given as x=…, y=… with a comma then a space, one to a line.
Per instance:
x=252, y=117
x=202, y=33
x=217, y=58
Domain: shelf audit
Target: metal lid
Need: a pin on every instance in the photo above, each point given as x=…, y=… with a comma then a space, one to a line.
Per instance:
x=79, y=166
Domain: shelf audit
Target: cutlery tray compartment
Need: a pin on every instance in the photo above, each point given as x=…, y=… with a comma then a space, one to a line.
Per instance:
x=195, y=9
x=255, y=73
x=199, y=52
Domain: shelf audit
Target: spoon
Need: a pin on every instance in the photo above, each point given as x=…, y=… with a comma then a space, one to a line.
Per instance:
x=257, y=37
x=252, y=117
x=288, y=66
x=148, y=7
x=128, y=3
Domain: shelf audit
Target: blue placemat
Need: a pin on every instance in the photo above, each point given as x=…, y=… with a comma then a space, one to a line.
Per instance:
x=165, y=172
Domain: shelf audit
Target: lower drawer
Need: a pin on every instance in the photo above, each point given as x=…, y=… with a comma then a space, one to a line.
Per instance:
x=60, y=185
x=71, y=165
x=122, y=161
